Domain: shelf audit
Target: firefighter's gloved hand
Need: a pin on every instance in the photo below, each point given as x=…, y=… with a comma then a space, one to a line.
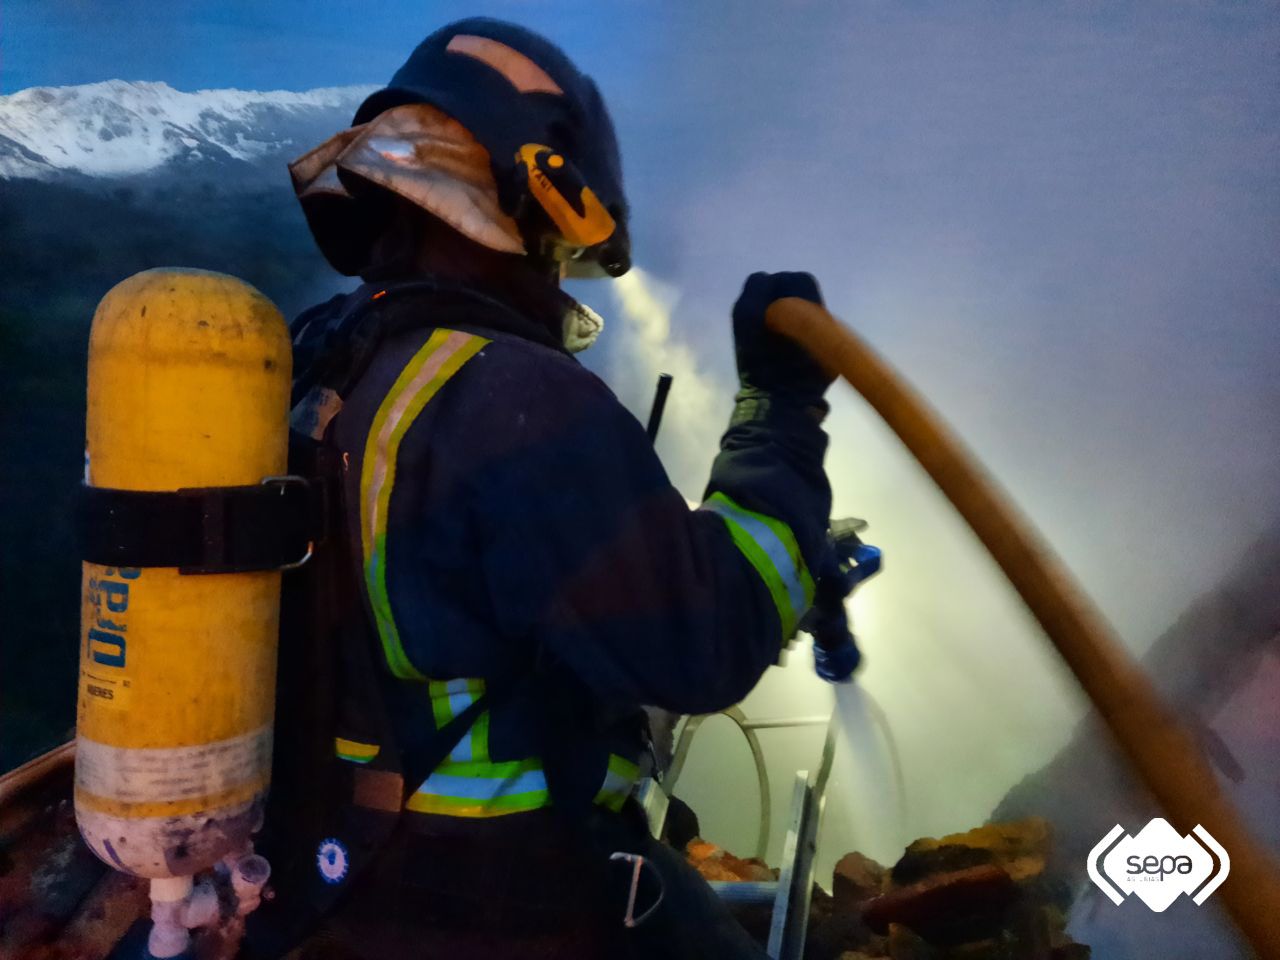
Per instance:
x=769, y=363
x=835, y=651
x=837, y=663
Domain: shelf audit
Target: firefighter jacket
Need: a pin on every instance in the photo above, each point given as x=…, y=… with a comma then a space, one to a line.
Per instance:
x=514, y=530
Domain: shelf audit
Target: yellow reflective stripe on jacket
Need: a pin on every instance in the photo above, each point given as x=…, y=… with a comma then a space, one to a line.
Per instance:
x=448, y=699
x=771, y=548
x=354, y=750
x=468, y=783
x=618, y=781
x=440, y=358
x=482, y=789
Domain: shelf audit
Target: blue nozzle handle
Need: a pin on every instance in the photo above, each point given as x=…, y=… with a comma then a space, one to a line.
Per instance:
x=836, y=664
x=847, y=562
x=864, y=563
x=835, y=652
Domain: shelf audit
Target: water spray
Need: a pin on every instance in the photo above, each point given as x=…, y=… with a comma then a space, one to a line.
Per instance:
x=847, y=563
x=873, y=760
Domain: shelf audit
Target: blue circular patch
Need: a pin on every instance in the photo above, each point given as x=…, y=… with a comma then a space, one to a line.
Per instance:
x=332, y=860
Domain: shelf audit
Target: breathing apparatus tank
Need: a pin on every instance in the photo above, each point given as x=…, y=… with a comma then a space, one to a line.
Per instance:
x=188, y=390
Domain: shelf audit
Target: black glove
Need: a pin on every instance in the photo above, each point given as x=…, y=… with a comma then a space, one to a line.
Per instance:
x=769, y=363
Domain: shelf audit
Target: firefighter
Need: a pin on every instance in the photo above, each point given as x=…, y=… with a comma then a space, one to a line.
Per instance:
x=526, y=575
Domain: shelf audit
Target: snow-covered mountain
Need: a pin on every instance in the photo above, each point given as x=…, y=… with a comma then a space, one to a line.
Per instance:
x=119, y=128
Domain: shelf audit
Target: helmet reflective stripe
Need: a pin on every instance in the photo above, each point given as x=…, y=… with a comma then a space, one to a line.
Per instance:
x=525, y=75
x=440, y=358
x=770, y=547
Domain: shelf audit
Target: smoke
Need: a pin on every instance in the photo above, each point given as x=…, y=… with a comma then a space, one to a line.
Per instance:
x=1057, y=225
x=642, y=349
x=941, y=631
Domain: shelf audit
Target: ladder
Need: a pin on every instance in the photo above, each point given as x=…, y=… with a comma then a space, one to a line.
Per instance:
x=789, y=895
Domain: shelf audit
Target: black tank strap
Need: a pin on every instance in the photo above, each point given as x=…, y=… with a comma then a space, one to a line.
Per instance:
x=272, y=525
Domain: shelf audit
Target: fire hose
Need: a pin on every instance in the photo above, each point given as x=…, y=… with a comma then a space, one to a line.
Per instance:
x=1160, y=748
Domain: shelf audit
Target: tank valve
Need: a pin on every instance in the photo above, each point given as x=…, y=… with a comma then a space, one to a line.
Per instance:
x=177, y=907
x=249, y=875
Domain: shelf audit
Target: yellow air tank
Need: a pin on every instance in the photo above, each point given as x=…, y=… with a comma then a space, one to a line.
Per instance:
x=189, y=380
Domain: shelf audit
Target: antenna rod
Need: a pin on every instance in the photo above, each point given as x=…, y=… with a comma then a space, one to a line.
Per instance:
x=659, y=404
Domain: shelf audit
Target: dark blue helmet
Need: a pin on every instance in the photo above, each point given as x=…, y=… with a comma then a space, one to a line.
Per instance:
x=549, y=137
